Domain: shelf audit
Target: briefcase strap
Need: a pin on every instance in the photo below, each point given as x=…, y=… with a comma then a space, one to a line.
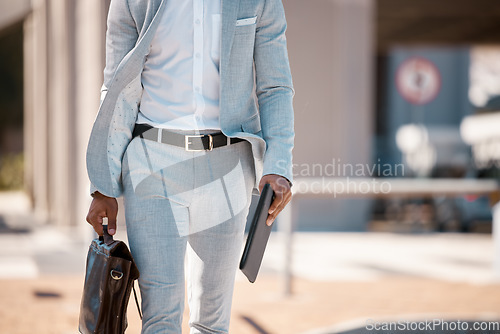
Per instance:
x=136, y=301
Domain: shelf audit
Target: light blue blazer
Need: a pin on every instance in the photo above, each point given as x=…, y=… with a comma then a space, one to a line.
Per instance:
x=256, y=85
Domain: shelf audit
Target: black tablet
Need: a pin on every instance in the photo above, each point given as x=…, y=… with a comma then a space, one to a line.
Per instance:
x=257, y=236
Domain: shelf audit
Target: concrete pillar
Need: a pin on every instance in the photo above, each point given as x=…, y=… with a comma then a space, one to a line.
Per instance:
x=60, y=93
x=36, y=107
x=64, y=60
x=330, y=44
x=90, y=35
x=353, y=76
x=28, y=59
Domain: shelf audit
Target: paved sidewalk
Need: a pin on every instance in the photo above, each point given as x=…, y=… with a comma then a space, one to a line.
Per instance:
x=49, y=305
x=342, y=281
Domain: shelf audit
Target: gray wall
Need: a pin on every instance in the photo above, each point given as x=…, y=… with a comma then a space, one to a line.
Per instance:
x=330, y=43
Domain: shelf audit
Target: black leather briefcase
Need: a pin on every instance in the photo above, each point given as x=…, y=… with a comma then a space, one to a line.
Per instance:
x=109, y=280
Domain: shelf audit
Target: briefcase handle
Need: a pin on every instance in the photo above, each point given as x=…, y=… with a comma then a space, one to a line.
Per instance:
x=106, y=237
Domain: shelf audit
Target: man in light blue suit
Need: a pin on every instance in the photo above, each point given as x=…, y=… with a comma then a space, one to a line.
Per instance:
x=196, y=112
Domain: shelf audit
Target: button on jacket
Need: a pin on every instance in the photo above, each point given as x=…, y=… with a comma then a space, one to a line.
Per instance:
x=255, y=85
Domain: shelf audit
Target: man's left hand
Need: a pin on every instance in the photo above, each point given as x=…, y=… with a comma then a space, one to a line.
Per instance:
x=282, y=194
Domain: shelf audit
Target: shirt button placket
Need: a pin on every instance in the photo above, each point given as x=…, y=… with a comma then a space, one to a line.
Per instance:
x=198, y=49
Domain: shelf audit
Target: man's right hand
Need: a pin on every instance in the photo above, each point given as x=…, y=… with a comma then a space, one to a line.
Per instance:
x=103, y=206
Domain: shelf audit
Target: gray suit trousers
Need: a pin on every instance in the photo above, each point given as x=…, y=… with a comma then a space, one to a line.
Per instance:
x=194, y=204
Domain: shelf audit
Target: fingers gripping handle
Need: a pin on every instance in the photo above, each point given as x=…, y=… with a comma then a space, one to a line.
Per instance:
x=106, y=237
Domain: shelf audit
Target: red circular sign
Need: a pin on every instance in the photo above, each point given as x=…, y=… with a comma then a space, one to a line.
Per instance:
x=418, y=80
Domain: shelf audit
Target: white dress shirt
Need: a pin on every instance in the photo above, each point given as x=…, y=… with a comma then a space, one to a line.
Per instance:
x=181, y=74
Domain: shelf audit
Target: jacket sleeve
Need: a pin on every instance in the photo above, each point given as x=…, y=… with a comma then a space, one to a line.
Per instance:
x=121, y=37
x=274, y=89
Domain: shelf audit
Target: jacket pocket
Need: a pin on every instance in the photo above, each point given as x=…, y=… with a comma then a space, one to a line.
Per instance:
x=246, y=21
x=252, y=125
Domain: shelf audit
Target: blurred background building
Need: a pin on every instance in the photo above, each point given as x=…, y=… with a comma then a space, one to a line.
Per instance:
x=378, y=83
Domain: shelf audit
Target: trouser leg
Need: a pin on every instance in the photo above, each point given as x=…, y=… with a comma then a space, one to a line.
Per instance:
x=153, y=225
x=217, y=221
x=159, y=252
x=172, y=197
x=212, y=263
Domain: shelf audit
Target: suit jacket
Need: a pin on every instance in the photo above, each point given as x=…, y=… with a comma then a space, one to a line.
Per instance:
x=255, y=82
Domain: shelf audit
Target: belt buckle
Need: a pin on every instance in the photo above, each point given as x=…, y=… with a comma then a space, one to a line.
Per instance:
x=187, y=142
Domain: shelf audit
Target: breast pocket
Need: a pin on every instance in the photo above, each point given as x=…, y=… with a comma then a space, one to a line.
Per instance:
x=246, y=21
x=246, y=26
